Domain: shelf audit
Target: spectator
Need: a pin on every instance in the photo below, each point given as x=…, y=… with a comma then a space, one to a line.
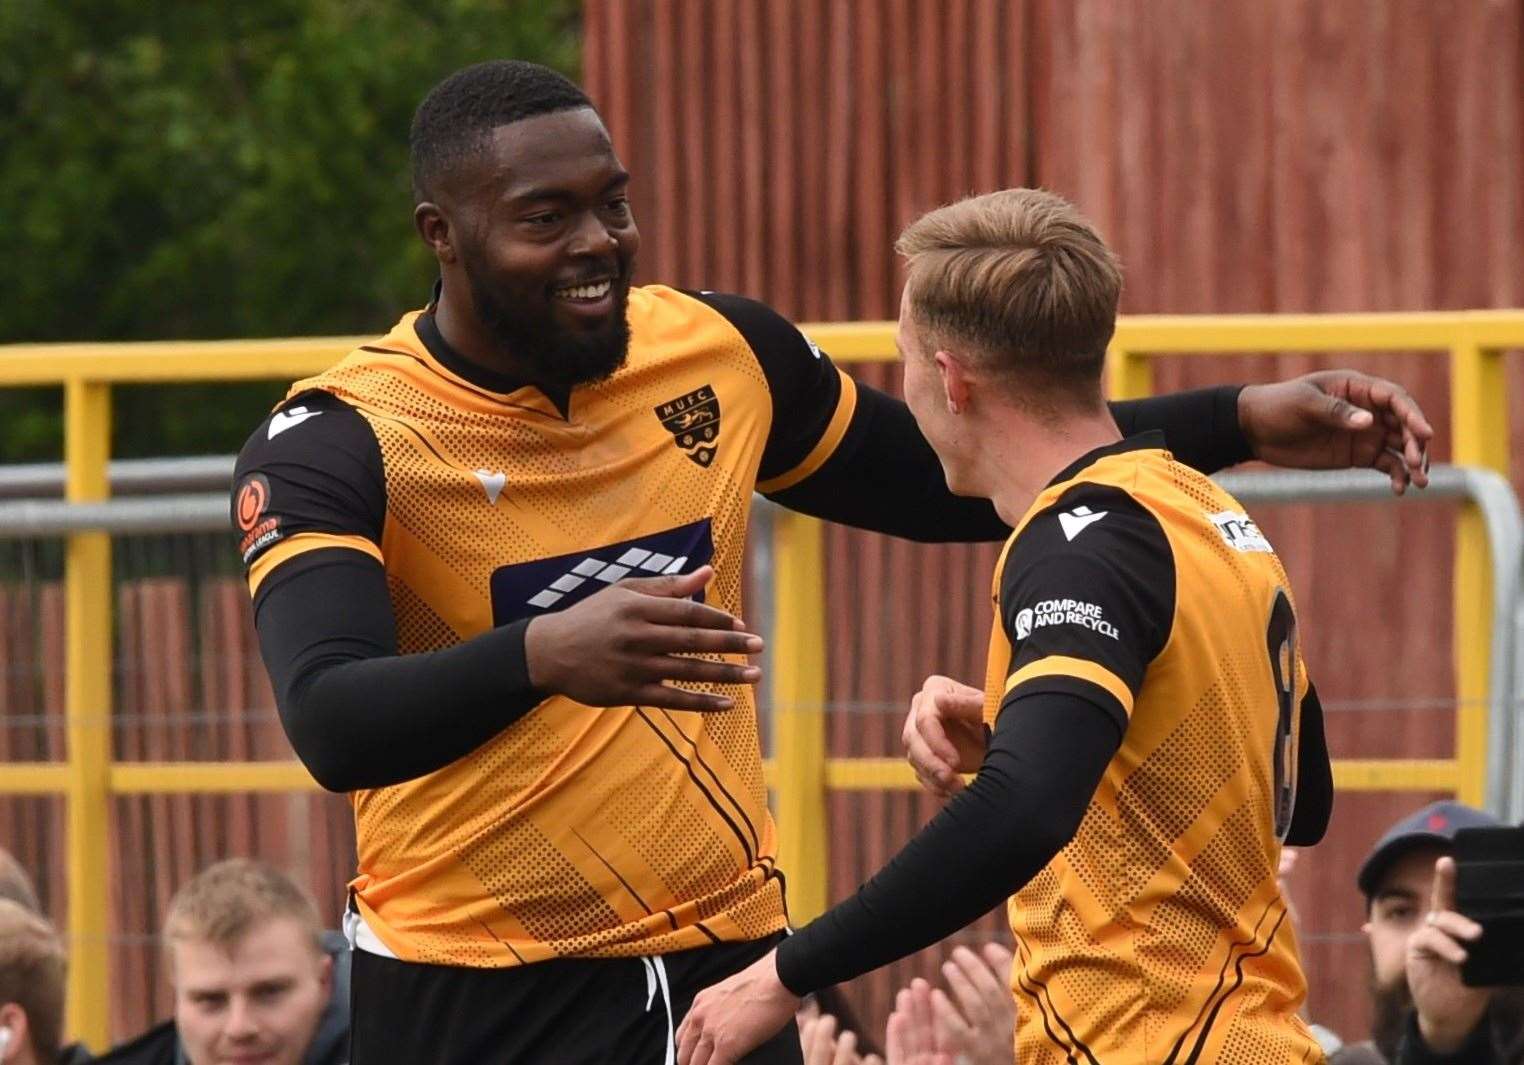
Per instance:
x=255, y=976
x=1424, y=1015
x=15, y=884
x=32, y=970
x=825, y=1041
x=972, y=1023
x=830, y=1033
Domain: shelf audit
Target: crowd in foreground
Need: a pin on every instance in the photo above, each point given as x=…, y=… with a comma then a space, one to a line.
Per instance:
x=257, y=977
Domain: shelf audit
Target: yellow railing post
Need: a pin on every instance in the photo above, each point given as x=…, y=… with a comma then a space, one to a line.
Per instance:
x=799, y=696
x=1128, y=374
x=1479, y=428
x=88, y=644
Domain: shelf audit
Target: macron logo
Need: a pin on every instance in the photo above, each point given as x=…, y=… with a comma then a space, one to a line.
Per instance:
x=492, y=483
x=289, y=419
x=1078, y=520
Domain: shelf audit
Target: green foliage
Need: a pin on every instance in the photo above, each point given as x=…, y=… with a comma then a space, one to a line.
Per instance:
x=219, y=168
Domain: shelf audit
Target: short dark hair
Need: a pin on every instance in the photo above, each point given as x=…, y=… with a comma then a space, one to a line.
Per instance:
x=459, y=113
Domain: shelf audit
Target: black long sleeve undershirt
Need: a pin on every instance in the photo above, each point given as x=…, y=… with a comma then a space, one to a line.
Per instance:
x=1314, y=777
x=358, y=714
x=885, y=477
x=1044, y=761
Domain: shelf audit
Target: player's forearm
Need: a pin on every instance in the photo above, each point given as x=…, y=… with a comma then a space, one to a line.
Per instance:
x=1201, y=426
x=1045, y=758
x=358, y=714
x=885, y=477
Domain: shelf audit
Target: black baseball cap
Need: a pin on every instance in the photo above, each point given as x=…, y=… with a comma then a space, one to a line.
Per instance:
x=1434, y=825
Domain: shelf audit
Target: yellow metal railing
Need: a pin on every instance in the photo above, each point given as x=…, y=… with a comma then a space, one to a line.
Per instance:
x=1473, y=340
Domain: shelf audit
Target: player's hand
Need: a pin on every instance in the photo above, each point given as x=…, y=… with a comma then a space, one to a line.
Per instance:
x=1447, y=1009
x=982, y=1023
x=912, y=1037
x=736, y=1015
x=618, y=646
x=944, y=734
x=1335, y=419
x=823, y=1045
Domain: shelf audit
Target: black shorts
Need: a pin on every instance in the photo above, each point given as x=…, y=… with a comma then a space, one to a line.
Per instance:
x=608, y=1011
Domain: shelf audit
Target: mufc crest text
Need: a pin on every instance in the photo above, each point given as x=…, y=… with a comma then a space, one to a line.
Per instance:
x=694, y=422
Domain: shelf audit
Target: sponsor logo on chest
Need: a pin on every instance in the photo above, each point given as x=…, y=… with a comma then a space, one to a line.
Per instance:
x=524, y=589
x=694, y=422
x=1240, y=532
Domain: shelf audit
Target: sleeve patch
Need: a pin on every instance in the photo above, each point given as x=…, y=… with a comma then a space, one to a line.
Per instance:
x=257, y=528
x=1049, y=612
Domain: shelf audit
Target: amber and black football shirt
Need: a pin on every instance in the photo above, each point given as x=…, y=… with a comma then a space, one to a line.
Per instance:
x=1154, y=739
x=1159, y=933
x=576, y=831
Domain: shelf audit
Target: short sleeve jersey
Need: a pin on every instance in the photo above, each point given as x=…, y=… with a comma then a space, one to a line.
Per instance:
x=575, y=831
x=1159, y=933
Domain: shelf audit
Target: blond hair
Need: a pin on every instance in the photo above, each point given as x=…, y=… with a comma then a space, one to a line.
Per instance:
x=1024, y=279
x=224, y=902
x=15, y=884
x=32, y=972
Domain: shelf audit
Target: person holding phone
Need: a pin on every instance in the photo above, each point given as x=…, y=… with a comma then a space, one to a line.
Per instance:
x=1425, y=1013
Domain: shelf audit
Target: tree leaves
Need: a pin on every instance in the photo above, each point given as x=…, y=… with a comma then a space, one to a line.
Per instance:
x=221, y=169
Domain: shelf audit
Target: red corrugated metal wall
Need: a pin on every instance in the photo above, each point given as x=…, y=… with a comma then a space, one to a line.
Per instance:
x=1241, y=156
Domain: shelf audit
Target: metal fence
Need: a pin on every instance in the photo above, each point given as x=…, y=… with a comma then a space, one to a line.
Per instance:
x=795, y=558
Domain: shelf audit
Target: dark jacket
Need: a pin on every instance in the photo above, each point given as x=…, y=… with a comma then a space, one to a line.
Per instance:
x=160, y=1045
x=1493, y=1042
x=1496, y=1041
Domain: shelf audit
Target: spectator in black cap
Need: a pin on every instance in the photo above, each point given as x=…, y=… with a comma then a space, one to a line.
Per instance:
x=1424, y=1014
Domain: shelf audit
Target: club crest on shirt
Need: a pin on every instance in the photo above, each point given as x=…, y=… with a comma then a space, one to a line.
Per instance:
x=694, y=422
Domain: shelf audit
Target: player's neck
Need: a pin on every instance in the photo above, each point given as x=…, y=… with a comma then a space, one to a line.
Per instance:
x=1031, y=451
x=463, y=331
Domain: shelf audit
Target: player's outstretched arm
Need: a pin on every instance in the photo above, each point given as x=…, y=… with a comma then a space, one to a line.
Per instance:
x=884, y=476
x=1046, y=757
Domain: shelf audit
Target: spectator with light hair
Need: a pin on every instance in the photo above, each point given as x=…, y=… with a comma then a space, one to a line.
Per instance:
x=32, y=972
x=16, y=883
x=255, y=976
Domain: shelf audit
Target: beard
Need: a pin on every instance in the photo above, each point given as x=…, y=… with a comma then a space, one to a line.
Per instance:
x=1504, y=1016
x=1394, y=1004
x=550, y=353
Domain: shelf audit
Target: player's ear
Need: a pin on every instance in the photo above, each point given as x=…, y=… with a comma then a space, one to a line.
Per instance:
x=434, y=227
x=954, y=380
